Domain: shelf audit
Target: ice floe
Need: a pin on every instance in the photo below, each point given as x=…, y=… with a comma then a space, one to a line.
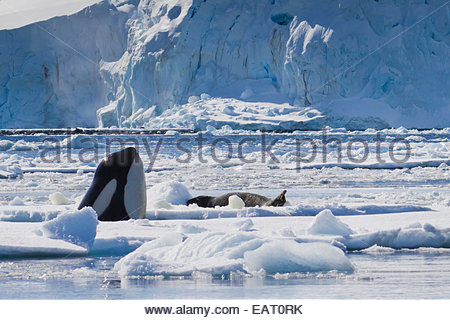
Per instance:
x=220, y=253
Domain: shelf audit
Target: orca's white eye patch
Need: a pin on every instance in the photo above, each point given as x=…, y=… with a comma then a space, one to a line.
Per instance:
x=104, y=198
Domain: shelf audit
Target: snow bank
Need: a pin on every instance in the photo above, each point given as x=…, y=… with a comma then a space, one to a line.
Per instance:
x=165, y=194
x=161, y=211
x=219, y=253
x=77, y=227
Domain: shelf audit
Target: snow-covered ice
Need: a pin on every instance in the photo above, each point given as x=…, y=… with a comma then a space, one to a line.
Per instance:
x=165, y=194
x=337, y=216
x=368, y=191
x=78, y=227
x=326, y=223
x=220, y=253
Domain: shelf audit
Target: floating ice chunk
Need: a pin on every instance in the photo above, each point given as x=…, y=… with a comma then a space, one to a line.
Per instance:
x=210, y=129
x=325, y=223
x=216, y=253
x=173, y=193
x=219, y=253
x=81, y=141
x=234, y=202
x=361, y=241
x=229, y=110
x=411, y=237
x=16, y=202
x=401, y=130
x=77, y=227
x=172, y=133
x=5, y=145
x=285, y=256
x=378, y=250
x=21, y=145
x=428, y=236
x=443, y=165
x=202, y=276
x=58, y=198
x=10, y=172
x=115, y=246
x=144, y=261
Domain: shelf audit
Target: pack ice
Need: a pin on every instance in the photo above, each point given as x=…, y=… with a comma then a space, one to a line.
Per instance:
x=187, y=242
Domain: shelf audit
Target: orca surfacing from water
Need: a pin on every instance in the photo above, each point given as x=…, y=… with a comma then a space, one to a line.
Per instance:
x=250, y=200
x=118, y=189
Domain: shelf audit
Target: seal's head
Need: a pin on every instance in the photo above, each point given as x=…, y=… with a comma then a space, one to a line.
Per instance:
x=278, y=201
x=201, y=201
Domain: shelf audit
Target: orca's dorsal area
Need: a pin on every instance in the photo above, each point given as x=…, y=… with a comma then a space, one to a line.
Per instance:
x=118, y=190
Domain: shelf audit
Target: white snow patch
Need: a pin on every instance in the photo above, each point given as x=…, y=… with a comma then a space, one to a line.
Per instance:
x=16, y=202
x=57, y=198
x=325, y=223
x=244, y=225
x=165, y=194
x=287, y=256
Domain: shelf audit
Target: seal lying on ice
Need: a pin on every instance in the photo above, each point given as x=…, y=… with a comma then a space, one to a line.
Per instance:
x=250, y=200
x=118, y=189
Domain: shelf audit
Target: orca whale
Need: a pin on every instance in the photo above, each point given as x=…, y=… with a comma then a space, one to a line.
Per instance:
x=118, y=189
x=250, y=200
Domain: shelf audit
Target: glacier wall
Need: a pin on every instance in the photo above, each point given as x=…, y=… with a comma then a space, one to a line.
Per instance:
x=356, y=63
x=49, y=71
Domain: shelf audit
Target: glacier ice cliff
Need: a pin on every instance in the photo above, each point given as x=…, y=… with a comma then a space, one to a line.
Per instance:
x=193, y=63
